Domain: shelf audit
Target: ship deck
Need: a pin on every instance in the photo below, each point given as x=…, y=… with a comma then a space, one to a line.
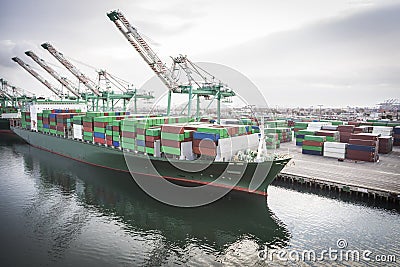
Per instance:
x=376, y=179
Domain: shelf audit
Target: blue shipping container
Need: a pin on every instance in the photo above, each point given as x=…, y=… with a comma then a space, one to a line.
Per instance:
x=200, y=135
x=311, y=152
x=141, y=142
x=99, y=135
x=361, y=148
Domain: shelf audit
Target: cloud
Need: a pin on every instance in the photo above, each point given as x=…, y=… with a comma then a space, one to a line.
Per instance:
x=349, y=53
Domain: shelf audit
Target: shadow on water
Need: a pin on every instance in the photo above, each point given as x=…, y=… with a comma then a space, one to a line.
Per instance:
x=116, y=195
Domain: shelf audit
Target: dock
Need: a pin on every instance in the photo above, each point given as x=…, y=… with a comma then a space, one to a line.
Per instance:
x=377, y=180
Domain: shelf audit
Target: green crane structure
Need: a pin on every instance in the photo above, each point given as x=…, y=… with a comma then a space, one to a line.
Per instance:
x=198, y=82
x=108, y=99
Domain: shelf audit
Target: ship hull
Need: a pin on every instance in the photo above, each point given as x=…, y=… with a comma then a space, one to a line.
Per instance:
x=5, y=125
x=115, y=159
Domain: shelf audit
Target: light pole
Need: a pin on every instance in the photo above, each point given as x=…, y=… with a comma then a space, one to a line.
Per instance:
x=320, y=105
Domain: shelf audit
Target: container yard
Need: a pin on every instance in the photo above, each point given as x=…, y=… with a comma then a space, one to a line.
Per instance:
x=359, y=158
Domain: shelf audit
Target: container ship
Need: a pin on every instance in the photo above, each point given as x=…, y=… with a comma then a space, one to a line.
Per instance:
x=180, y=149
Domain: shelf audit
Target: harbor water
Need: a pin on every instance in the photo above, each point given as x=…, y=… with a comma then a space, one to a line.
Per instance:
x=59, y=212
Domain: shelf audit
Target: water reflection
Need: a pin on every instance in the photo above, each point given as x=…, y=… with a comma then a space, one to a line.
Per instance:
x=217, y=227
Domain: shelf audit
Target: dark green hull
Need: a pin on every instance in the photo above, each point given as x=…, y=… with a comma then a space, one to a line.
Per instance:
x=4, y=124
x=115, y=159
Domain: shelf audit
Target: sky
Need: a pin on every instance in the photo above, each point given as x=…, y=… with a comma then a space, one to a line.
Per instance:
x=298, y=53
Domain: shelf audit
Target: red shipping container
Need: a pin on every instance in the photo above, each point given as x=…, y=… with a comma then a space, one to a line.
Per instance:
x=346, y=128
x=149, y=144
x=109, y=138
x=87, y=129
x=100, y=124
x=128, y=134
x=109, y=142
x=345, y=137
x=171, y=143
x=361, y=155
x=177, y=129
x=99, y=140
x=365, y=136
x=355, y=123
x=87, y=124
x=313, y=143
x=115, y=128
x=207, y=143
x=140, y=131
x=149, y=138
x=363, y=142
x=385, y=144
x=325, y=133
x=205, y=151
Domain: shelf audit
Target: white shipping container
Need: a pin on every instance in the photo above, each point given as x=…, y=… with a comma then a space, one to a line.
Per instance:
x=334, y=155
x=335, y=150
x=228, y=147
x=77, y=131
x=335, y=145
x=382, y=130
x=187, y=150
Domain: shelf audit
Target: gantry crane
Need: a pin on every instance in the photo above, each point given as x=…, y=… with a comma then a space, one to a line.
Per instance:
x=205, y=87
x=123, y=86
x=64, y=81
x=38, y=77
x=77, y=73
x=12, y=95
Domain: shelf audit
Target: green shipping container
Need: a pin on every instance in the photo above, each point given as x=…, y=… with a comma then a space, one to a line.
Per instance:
x=314, y=148
x=128, y=146
x=171, y=150
x=172, y=136
x=315, y=138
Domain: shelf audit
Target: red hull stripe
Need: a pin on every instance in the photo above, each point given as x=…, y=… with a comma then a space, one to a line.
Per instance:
x=236, y=188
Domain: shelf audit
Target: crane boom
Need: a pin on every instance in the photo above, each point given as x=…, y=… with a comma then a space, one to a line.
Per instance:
x=77, y=73
x=52, y=72
x=149, y=56
x=38, y=77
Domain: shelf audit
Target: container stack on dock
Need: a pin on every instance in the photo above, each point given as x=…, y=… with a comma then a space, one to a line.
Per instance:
x=300, y=136
x=345, y=132
x=331, y=136
x=335, y=150
x=385, y=144
x=298, y=125
x=283, y=134
x=363, y=147
x=396, y=136
x=383, y=130
x=313, y=145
